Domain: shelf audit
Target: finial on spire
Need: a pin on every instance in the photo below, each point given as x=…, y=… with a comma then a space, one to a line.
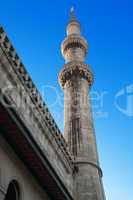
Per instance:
x=72, y=14
x=72, y=9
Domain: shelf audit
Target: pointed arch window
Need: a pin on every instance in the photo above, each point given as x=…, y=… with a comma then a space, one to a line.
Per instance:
x=13, y=192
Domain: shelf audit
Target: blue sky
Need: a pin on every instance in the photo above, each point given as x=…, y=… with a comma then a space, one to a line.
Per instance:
x=36, y=29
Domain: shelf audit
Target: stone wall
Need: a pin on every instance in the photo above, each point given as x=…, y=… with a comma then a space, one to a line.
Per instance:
x=11, y=168
x=25, y=99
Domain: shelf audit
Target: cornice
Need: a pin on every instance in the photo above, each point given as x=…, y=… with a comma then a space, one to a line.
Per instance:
x=17, y=65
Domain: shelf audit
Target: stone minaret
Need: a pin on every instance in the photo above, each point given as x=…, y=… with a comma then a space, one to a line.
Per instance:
x=76, y=79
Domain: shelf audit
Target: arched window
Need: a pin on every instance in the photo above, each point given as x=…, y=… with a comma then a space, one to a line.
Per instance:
x=13, y=192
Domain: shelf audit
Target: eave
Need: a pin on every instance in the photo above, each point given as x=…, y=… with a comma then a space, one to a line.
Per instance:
x=22, y=142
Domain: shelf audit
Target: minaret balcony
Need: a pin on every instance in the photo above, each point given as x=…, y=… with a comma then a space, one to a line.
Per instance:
x=74, y=41
x=75, y=68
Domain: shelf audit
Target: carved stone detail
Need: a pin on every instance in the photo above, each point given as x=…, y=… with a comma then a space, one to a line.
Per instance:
x=71, y=41
x=15, y=62
x=77, y=68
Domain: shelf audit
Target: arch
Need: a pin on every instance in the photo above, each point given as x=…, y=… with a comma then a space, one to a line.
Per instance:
x=13, y=191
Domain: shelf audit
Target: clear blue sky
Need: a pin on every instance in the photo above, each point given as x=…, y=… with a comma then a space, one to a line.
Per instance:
x=36, y=28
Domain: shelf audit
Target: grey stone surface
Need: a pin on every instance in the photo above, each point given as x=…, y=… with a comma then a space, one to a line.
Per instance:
x=16, y=84
x=76, y=78
x=13, y=169
x=52, y=144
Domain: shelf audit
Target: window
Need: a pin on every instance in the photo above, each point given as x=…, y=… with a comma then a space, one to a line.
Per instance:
x=12, y=191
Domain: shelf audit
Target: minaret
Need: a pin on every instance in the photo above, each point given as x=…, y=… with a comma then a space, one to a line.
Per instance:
x=76, y=79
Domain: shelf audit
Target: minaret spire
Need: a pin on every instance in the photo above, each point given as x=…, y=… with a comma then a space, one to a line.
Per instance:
x=73, y=25
x=72, y=14
x=76, y=79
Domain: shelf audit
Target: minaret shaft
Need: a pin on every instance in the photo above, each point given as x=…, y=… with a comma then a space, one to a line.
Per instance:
x=76, y=78
x=78, y=129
